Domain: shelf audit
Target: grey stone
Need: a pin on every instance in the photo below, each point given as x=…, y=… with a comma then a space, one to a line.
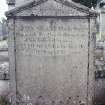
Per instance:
x=51, y=49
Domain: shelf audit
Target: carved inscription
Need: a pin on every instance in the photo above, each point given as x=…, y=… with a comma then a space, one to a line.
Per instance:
x=50, y=38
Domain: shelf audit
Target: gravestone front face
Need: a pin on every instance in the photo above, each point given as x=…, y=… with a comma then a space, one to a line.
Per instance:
x=52, y=56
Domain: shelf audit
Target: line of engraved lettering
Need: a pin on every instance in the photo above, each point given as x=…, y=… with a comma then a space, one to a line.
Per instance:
x=55, y=28
x=32, y=46
x=50, y=34
x=48, y=52
x=39, y=52
x=47, y=38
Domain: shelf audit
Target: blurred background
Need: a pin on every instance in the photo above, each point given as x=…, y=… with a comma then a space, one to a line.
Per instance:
x=4, y=59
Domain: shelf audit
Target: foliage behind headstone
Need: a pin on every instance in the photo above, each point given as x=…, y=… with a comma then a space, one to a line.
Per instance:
x=88, y=3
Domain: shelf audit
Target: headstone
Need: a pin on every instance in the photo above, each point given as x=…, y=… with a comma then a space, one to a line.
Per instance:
x=51, y=51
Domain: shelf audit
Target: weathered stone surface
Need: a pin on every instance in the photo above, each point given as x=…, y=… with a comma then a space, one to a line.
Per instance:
x=51, y=8
x=54, y=50
x=52, y=54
